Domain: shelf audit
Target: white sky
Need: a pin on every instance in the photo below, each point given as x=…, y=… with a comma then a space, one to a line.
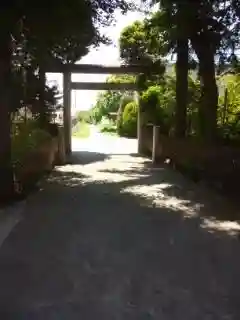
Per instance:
x=104, y=55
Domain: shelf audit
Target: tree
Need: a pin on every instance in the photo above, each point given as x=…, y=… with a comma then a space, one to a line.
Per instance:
x=134, y=44
x=6, y=185
x=212, y=29
x=129, y=120
x=169, y=22
x=209, y=25
x=158, y=36
x=110, y=101
x=68, y=30
x=107, y=103
x=141, y=43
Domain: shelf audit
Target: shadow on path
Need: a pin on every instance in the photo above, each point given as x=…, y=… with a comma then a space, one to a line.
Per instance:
x=87, y=157
x=120, y=240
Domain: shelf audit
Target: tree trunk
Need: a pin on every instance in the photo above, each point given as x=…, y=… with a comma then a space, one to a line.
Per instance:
x=6, y=172
x=210, y=97
x=181, y=88
x=209, y=104
x=181, y=71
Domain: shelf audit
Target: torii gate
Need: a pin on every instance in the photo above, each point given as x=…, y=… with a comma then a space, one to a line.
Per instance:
x=68, y=85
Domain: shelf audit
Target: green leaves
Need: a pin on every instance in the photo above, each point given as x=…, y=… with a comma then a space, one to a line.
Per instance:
x=106, y=103
x=142, y=42
x=128, y=125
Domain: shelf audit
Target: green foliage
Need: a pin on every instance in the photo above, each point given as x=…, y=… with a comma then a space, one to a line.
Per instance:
x=128, y=125
x=139, y=43
x=26, y=138
x=158, y=104
x=194, y=100
x=159, y=101
x=188, y=29
x=34, y=36
x=125, y=99
x=229, y=107
x=66, y=35
x=107, y=102
x=67, y=31
x=121, y=78
x=133, y=43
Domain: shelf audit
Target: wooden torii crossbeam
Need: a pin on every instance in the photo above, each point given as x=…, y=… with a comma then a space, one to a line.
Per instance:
x=98, y=69
x=132, y=86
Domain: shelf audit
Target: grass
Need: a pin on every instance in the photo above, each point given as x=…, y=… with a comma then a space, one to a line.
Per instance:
x=81, y=130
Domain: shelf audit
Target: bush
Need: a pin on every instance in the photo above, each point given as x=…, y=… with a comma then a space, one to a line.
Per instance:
x=26, y=141
x=129, y=118
x=125, y=99
x=158, y=104
x=107, y=102
x=229, y=110
x=194, y=101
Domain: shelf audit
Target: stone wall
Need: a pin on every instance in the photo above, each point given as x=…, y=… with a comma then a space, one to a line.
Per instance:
x=213, y=161
x=147, y=138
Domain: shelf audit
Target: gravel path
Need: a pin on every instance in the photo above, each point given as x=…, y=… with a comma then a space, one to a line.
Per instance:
x=110, y=237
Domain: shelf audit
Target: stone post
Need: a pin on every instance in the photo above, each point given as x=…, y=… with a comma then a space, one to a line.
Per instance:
x=155, y=143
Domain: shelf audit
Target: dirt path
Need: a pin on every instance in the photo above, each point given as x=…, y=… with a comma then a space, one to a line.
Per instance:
x=109, y=237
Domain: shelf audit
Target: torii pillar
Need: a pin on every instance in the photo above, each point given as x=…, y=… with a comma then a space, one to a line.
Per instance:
x=67, y=121
x=140, y=122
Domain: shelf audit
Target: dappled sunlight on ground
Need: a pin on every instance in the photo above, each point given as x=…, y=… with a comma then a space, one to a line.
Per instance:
x=154, y=187
x=112, y=237
x=155, y=194
x=112, y=169
x=212, y=224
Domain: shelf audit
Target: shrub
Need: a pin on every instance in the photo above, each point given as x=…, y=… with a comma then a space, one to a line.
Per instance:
x=26, y=141
x=158, y=104
x=123, y=102
x=194, y=101
x=128, y=126
x=229, y=108
x=107, y=102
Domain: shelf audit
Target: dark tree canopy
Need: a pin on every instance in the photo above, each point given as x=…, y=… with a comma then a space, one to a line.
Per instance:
x=33, y=34
x=207, y=28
